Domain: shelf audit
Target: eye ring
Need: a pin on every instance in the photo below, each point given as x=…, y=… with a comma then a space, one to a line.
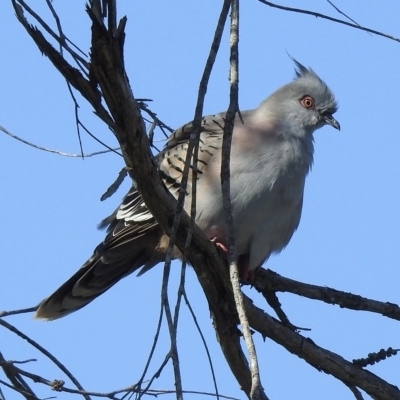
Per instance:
x=308, y=102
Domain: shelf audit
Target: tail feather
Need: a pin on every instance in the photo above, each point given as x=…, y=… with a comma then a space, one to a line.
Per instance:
x=133, y=241
x=99, y=274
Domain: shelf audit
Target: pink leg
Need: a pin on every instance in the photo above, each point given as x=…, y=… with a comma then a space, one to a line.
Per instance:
x=220, y=246
x=246, y=275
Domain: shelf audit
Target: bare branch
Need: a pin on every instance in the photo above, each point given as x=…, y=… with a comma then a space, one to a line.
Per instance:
x=341, y=12
x=153, y=348
x=107, y=72
x=339, y=21
x=14, y=373
x=173, y=353
x=98, y=140
x=16, y=379
x=156, y=375
x=256, y=391
x=356, y=392
x=60, y=39
x=15, y=312
x=73, y=76
x=16, y=388
x=204, y=343
x=273, y=302
x=61, y=153
x=45, y=352
x=143, y=107
x=107, y=90
x=269, y=280
x=225, y=324
x=320, y=358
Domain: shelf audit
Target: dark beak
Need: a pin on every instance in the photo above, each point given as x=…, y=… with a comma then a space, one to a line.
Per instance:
x=328, y=119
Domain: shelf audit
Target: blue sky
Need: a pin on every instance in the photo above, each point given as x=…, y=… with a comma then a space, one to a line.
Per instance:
x=348, y=238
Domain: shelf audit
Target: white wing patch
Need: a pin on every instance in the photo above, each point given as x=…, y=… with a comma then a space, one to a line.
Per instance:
x=134, y=211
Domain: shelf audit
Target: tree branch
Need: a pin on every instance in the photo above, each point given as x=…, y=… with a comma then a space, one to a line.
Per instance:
x=256, y=391
x=339, y=21
x=267, y=280
x=108, y=83
x=107, y=70
x=320, y=358
x=60, y=153
x=45, y=352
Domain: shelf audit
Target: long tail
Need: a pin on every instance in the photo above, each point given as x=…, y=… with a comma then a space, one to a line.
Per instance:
x=103, y=270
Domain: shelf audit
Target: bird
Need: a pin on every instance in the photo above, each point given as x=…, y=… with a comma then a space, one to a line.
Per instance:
x=271, y=154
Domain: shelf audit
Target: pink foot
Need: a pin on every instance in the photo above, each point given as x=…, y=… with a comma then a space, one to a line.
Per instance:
x=220, y=246
x=246, y=275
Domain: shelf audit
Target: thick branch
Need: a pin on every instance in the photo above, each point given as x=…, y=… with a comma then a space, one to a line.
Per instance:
x=108, y=70
x=320, y=358
x=267, y=280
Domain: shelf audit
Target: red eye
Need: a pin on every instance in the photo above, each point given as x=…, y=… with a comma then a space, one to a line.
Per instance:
x=307, y=102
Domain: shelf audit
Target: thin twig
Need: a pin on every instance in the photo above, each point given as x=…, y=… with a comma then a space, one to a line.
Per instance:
x=23, y=392
x=129, y=389
x=16, y=379
x=339, y=21
x=153, y=115
x=99, y=141
x=63, y=38
x=18, y=371
x=341, y=12
x=155, y=376
x=45, y=352
x=203, y=339
x=181, y=291
x=273, y=302
x=173, y=354
x=76, y=106
x=23, y=362
x=153, y=348
x=256, y=391
x=60, y=40
x=60, y=153
x=58, y=22
x=76, y=113
x=230, y=343
x=15, y=312
x=88, y=89
x=111, y=395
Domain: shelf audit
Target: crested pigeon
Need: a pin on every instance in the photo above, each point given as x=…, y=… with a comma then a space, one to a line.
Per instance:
x=271, y=154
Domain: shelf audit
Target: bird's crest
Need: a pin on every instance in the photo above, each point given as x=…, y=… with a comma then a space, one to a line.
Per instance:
x=303, y=72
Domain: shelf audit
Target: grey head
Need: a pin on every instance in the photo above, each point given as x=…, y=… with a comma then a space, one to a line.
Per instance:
x=305, y=104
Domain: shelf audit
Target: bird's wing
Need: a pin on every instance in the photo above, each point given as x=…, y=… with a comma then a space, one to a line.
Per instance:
x=134, y=239
x=133, y=219
x=172, y=159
